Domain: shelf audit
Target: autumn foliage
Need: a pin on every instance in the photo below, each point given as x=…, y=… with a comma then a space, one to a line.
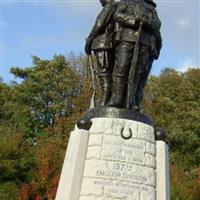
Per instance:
x=38, y=113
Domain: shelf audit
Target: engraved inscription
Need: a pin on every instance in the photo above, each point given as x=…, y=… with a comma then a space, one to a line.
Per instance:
x=117, y=149
x=117, y=189
x=120, y=171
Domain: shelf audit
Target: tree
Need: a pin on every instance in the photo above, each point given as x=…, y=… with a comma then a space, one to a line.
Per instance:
x=31, y=147
x=173, y=102
x=172, y=99
x=47, y=89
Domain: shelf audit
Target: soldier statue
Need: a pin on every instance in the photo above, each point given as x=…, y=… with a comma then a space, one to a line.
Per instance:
x=138, y=44
x=141, y=74
x=127, y=36
x=100, y=41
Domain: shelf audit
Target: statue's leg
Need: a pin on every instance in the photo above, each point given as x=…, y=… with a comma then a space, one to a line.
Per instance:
x=142, y=73
x=104, y=75
x=143, y=81
x=124, y=53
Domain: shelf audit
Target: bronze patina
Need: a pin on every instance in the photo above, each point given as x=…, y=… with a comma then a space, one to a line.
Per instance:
x=125, y=39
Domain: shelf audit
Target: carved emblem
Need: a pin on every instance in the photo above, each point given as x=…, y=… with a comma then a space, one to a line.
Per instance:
x=126, y=134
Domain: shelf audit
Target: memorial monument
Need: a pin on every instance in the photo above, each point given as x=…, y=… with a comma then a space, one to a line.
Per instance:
x=115, y=152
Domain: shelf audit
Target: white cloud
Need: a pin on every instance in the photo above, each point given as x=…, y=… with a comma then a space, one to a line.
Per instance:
x=181, y=29
x=183, y=22
x=186, y=64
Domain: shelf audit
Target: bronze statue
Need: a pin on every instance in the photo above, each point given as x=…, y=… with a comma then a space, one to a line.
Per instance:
x=127, y=36
x=100, y=41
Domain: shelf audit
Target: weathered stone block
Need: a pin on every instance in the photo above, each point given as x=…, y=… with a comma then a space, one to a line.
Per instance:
x=90, y=188
x=150, y=148
x=93, y=152
x=148, y=193
x=95, y=140
x=146, y=132
x=150, y=161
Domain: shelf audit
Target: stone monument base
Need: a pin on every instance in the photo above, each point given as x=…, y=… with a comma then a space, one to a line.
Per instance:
x=115, y=159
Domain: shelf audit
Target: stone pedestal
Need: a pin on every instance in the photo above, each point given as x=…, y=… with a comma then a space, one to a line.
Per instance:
x=72, y=171
x=162, y=169
x=115, y=159
x=118, y=168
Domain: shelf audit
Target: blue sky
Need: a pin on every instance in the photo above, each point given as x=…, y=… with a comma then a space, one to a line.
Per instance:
x=48, y=27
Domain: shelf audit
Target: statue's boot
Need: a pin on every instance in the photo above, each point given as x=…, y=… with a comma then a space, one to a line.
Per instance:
x=136, y=105
x=136, y=108
x=118, y=93
x=138, y=97
x=105, y=84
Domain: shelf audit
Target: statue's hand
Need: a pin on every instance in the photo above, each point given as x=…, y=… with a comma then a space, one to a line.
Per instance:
x=144, y=19
x=88, y=47
x=154, y=54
